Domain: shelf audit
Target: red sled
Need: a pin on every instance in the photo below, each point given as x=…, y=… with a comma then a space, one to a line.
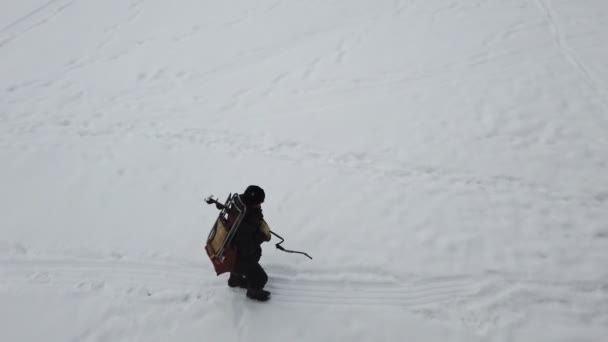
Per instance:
x=219, y=247
x=222, y=264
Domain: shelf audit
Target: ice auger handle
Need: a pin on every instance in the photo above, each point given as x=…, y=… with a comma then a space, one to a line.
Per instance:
x=211, y=200
x=278, y=246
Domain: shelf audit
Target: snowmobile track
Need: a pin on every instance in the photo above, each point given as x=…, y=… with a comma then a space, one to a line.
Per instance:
x=32, y=20
x=182, y=283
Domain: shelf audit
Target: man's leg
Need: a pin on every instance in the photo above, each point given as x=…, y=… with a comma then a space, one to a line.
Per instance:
x=256, y=280
x=237, y=280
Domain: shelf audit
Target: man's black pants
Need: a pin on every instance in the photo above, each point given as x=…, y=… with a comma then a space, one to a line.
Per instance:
x=253, y=272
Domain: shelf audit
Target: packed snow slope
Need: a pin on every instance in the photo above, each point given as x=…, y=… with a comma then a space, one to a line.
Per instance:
x=444, y=162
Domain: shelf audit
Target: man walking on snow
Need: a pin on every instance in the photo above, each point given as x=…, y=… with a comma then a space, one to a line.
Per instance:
x=252, y=232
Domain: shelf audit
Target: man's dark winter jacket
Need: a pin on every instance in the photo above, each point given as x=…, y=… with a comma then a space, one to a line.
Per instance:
x=249, y=237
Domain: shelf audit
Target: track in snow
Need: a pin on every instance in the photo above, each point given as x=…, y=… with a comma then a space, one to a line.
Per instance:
x=33, y=19
x=479, y=302
x=116, y=277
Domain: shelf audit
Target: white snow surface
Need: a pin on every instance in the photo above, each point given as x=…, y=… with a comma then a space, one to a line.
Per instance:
x=444, y=162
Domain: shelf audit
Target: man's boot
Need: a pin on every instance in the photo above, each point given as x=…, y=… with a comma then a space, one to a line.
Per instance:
x=258, y=294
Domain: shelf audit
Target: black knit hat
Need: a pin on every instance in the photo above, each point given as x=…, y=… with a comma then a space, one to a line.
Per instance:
x=253, y=195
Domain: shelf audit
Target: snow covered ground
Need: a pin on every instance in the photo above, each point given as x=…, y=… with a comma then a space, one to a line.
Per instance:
x=444, y=162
